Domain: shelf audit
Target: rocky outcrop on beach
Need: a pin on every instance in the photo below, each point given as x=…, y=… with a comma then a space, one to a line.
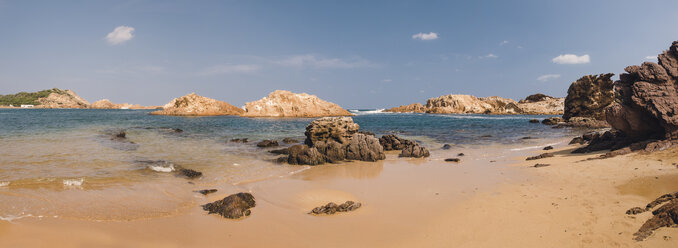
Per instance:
x=467, y=104
x=282, y=103
x=195, y=105
x=647, y=99
x=62, y=99
x=234, y=206
x=586, y=101
x=552, y=121
x=414, y=150
x=107, y=104
x=333, y=208
x=335, y=139
x=412, y=108
x=664, y=216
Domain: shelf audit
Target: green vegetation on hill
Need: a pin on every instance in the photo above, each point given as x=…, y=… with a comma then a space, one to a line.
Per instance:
x=27, y=97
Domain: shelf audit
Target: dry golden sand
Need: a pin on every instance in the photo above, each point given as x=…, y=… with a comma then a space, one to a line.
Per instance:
x=407, y=203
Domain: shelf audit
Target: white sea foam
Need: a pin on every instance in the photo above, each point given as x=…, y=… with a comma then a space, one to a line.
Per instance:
x=534, y=147
x=160, y=168
x=4, y=184
x=73, y=182
x=10, y=218
x=367, y=112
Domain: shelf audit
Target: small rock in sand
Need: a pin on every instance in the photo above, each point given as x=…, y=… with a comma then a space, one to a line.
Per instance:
x=548, y=148
x=446, y=146
x=189, y=173
x=234, y=206
x=541, y=165
x=456, y=160
x=540, y=156
x=460, y=154
x=332, y=208
x=239, y=140
x=289, y=141
x=207, y=191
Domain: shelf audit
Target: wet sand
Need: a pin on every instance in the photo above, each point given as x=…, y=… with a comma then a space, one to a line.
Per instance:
x=406, y=203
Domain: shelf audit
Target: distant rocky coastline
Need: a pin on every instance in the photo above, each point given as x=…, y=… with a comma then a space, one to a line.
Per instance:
x=195, y=105
x=282, y=103
x=538, y=104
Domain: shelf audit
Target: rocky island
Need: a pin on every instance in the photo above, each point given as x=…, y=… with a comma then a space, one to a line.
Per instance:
x=195, y=105
x=282, y=103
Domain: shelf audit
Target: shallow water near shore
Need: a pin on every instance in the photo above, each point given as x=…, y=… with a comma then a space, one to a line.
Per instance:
x=63, y=164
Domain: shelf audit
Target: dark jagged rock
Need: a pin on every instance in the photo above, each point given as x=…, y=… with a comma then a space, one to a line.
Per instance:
x=647, y=99
x=367, y=133
x=456, y=160
x=608, y=140
x=534, y=121
x=234, y=206
x=577, y=140
x=536, y=98
x=664, y=216
x=290, y=141
x=239, y=140
x=392, y=142
x=552, y=121
x=267, y=143
x=541, y=165
x=280, y=151
x=207, y=191
x=540, y=156
x=332, y=208
x=339, y=129
x=588, y=97
x=302, y=154
x=526, y=137
x=189, y=173
x=446, y=146
x=548, y=148
x=365, y=148
x=414, y=150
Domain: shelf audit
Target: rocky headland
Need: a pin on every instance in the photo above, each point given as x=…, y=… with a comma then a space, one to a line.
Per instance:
x=195, y=105
x=282, y=103
x=107, y=104
x=468, y=104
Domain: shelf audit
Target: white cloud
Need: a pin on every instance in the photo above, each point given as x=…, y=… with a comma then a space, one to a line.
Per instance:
x=572, y=59
x=120, y=35
x=548, y=77
x=489, y=56
x=229, y=69
x=503, y=43
x=423, y=36
x=651, y=57
x=310, y=60
x=387, y=80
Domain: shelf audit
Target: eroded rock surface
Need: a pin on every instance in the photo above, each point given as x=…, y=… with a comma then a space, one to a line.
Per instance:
x=589, y=96
x=664, y=216
x=195, y=105
x=332, y=208
x=414, y=150
x=282, y=103
x=234, y=206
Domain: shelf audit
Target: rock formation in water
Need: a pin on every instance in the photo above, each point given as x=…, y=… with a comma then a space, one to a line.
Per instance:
x=647, y=99
x=334, y=139
x=282, y=103
x=467, y=104
x=234, y=206
x=412, y=108
x=107, y=104
x=195, y=105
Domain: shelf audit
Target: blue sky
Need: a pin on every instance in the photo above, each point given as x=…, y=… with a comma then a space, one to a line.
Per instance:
x=358, y=54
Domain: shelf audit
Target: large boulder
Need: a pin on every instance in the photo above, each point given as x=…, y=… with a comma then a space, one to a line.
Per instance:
x=234, y=206
x=589, y=96
x=647, y=99
x=414, y=150
x=392, y=142
x=195, y=105
x=282, y=103
x=335, y=139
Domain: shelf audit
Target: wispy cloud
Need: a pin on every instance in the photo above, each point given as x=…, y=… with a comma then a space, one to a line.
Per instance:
x=310, y=60
x=489, y=56
x=387, y=80
x=548, y=77
x=651, y=57
x=423, y=36
x=229, y=69
x=503, y=43
x=120, y=34
x=571, y=59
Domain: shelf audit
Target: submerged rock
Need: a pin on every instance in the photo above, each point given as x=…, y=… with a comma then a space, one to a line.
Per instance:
x=534, y=121
x=552, y=121
x=540, y=156
x=240, y=140
x=189, y=173
x=289, y=141
x=332, y=208
x=234, y=206
x=414, y=150
x=282, y=103
x=445, y=146
x=267, y=143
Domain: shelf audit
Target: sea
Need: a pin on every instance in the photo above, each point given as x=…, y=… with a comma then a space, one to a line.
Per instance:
x=66, y=162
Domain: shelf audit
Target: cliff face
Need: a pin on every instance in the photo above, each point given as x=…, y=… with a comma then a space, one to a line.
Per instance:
x=647, y=99
x=107, y=104
x=281, y=103
x=195, y=105
x=589, y=96
x=62, y=99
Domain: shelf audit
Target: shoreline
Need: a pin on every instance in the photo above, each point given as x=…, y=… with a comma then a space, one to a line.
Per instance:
x=407, y=202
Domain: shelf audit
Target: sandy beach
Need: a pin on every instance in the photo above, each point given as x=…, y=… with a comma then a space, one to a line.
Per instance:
x=406, y=203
